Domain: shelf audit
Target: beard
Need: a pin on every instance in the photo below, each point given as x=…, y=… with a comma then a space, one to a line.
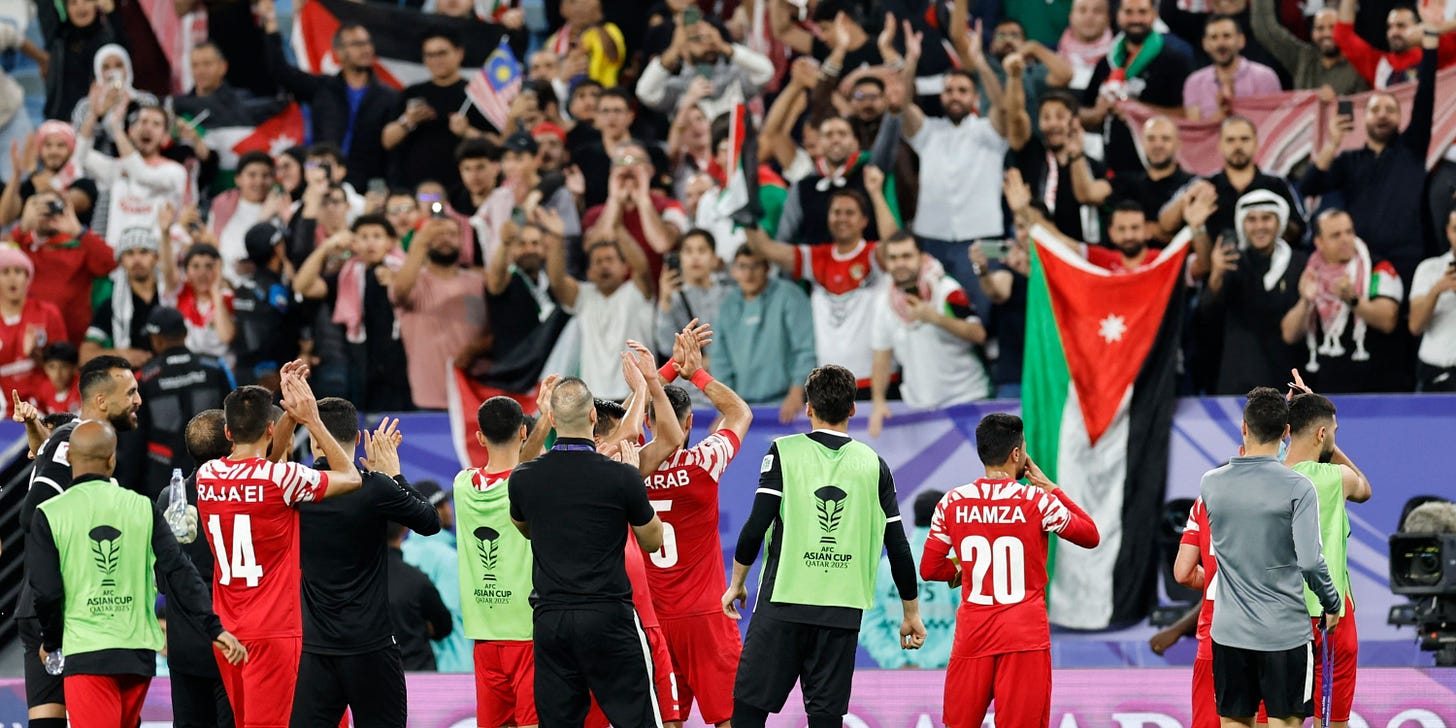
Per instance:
x=530, y=263
x=125, y=422
x=1162, y=164
x=1137, y=34
x=443, y=257
x=1130, y=249
x=1239, y=163
x=1328, y=453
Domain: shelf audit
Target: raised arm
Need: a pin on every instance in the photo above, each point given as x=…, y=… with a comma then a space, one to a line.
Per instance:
x=780, y=254
x=402, y=284
x=667, y=432
x=299, y=401
x=309, y=281
x=736, y=415
x=911, y=113
x=786, y=30
x=1356, y=485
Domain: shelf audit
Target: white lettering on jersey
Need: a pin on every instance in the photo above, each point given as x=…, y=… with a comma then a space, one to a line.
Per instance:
x=230, y=493
x=670, y=479
x=988, y=514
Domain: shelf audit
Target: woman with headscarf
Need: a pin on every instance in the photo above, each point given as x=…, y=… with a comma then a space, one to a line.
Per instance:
x=73, y=46
x=112, y=70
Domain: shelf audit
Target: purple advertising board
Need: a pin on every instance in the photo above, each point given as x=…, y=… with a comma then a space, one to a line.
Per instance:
x=1103, y=698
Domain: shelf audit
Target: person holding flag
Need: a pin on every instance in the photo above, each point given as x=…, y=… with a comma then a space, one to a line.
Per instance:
x=492, y=90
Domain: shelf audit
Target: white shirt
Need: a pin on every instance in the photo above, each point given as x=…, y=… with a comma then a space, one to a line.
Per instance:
x=231, y=240
x=937, y=368
x=606, y=324
x=847, y=290
x=960, y=179
x=1438, y=346
x=137, y=188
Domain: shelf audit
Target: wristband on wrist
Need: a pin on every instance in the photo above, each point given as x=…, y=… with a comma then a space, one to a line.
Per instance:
x=668, y=372
x=701, y=379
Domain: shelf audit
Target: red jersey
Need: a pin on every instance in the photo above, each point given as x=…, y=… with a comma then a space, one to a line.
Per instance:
x=1111, y=260
x=38, y=324
x=1196, y=534
x=686, y=574
x=247, y=511
x=999, y=530
x=641, y=590
x=838, y=274
x=49, y=400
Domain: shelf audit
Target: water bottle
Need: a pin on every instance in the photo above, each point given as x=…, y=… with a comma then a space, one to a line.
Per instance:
x=55, y=662
x=176, y=512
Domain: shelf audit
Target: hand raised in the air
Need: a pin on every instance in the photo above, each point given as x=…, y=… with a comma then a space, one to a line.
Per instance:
x=381, y=448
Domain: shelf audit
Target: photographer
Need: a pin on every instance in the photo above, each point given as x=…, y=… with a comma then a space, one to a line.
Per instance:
x=67, y=258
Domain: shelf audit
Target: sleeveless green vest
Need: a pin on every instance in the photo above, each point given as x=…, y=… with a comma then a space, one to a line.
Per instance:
x=1329, y=485
x=833, y=528
x=103, y=534
x=495, y=563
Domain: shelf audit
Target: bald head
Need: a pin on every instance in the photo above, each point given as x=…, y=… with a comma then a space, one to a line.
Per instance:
x=1160, y=142
x=93, y=448
x=573, y=411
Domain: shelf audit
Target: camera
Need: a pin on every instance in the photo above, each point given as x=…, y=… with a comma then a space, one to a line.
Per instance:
x=1423, y=568
x=1423, y=564
x=54, y=207
x=437, y=209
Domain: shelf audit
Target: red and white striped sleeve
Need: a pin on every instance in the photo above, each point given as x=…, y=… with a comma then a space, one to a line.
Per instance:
x=714, y=453
x=299, y=483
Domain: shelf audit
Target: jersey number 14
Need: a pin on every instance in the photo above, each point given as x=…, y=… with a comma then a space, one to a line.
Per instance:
x=1003, y=559
x=239, y=563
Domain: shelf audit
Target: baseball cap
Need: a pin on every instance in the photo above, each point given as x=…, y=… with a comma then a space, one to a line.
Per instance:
x=431, y=491
x=164, y=321
x=521, y=142
x=260, y=241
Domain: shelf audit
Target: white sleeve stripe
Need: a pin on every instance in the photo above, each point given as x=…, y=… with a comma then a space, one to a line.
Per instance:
x=894, y=519
x=769, y=491
x=48, y=481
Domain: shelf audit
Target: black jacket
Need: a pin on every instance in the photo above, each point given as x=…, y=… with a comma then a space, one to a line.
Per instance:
x=328, y=99
x=418, y=613
x=175, y=386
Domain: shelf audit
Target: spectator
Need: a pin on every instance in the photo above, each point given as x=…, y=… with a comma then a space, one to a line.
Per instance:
x=430, y=126
x=205, y=301
x=1139, y=66
x=581, y=107
x=1188, y=25
x=712, y=213
x=1086, y=40
x=551, y=152
x=15, y=124
x=441, y=311
x=690, y=139
x=323, y=212
x=27, y=324
x=288, y=173
x=612, y=305
x=235, y=212
x=234, y=32
x=263, y=307
x=138, y=180
x=840, y=167
x=58, y=390
x=1210, y=91
x=1433, y=317
x=68, y=258
x=1127, y=230
x=359, y=293
x=635, y=214
x=436, y=557
x=175, y=386
x=691, y=289
x=840, y=23
x=1004, y=283
x=326, y=161
x=736, y=72
x=595, y=155
x=478, y=163
x=761, y=351
x=227, y=106
x=415, y=607
x=1380, y=181
x=525, y=319
x=797, y=157
x=349, y=109
x=1162, y=179
x=591, y=47
x=73, y=43
x=126, y=300
x=879, y=634
x=403, y=212
x=846, y=272
x=522, y=186
x=1350, y=330
x=44, y=163
x=1383, y=69
x=1060, y=174
x=112, y=70
x=1044, y=69
x=1314, y=64
x=962, y=146
x=924, y=324
x=1254, y=294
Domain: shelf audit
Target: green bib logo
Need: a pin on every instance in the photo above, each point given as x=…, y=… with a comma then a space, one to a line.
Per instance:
x=486, y=547
x=830, y=503
x=105, y=553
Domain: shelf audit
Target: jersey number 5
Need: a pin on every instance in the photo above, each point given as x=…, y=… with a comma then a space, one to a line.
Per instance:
x=1004, y=559
x=239, y=563
x=665, y=557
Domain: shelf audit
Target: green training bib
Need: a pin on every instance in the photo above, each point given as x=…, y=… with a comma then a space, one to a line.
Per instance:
x=495, y=563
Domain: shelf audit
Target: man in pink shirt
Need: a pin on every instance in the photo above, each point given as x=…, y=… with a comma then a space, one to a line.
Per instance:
x=441, y=310
x=1209, y=91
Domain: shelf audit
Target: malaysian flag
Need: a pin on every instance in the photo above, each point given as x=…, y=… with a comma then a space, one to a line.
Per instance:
x=496, y=85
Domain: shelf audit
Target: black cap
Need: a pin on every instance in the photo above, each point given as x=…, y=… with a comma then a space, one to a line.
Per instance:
x=165, y=321
x=431, y=491
x=261, y=240
x=521, y=142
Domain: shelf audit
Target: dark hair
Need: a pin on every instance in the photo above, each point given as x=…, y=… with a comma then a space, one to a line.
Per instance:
x=344, y=28
x=1266, y=413
x=697, y=233
x=746, y=251
x=609, y=413
x=200, y=250
x=996, y=436
x=545, y=94
x=134, y=111
x=442, y=34
x=1307, y=411
x=1236, y=119
x=830, y=390
x=618, y=92
x=903, y=236
x=214, y=47
x=858, y=197
x=924, y=507
x=682, y=404
x=584, y=83
x=1128, y=206
x=97, y=373
x=604, y=244
x=826, y=10
x=966, y=74
x=500, y=419
x=255, y=157
x=1058, y=96
x=56, y=419
x=249, y=411
x=869, y=81
x=831, y=119
x=477, y=149
x=375, y=219
x=1318, y=223
x=62, y=351
x=720, y=128
x=340, y=418
x=206, y=436
x=325, y=149
x=1220, y=18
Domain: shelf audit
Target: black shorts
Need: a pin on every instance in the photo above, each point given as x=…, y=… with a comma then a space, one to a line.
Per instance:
x=597, y=650
x=372, y=684
x=1283, y=680
x=778, y=654
x=41, y=687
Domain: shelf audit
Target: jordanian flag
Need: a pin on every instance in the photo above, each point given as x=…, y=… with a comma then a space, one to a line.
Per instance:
x=751, y=192
x=1098, y=398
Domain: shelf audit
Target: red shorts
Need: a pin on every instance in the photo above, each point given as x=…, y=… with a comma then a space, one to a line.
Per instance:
x=705, y=650
x=505, y=684
x=261, y=689
x=106, y=701
x=1020, y=683
x=1205, y=702
x=664, y=682
x=1346, y=648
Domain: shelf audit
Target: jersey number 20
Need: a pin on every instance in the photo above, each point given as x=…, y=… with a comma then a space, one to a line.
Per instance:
x=1004, y=559
x=239, y=563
